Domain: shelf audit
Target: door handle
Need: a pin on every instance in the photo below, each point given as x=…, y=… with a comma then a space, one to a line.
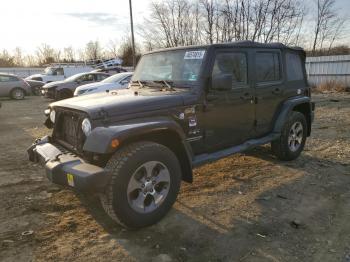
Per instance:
x=276, y=91
x=246, y=96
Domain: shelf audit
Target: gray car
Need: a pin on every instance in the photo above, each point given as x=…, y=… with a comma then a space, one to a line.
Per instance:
x=13, y=86
x=59, y=90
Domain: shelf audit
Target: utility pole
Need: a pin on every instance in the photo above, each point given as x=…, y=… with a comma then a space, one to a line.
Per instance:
x=132, y=36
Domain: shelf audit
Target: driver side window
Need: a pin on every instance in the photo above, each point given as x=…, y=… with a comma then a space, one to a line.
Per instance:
x=230, y=71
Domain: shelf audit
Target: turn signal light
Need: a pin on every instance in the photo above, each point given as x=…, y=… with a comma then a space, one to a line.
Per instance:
x=115, y=143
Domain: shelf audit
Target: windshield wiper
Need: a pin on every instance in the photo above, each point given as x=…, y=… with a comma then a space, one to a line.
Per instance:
x=168, y=84
x=140, y=84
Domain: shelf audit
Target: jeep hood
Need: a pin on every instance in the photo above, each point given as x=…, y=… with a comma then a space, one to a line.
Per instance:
x=121, y=103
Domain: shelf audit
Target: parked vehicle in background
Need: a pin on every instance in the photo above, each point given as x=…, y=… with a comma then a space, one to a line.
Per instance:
x=111, y=70
x=185, y=107
x=35, y=86
x=114, y=82
x=59, y=72
x=65, y=89
x=13, y=86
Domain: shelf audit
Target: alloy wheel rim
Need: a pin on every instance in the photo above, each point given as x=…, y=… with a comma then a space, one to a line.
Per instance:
x=295, y=137
x=18, y=94
x=148, y=187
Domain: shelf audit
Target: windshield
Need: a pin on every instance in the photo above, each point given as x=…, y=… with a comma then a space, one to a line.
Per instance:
x=174, y=66
x=74, y=77
x=114, y=78
x=48, y=71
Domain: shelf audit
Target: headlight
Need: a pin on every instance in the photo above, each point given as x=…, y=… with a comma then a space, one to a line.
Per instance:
x=86, y=126
x=52, y=116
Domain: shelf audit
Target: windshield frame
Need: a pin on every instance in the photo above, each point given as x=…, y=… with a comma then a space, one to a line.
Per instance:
x=178, y=83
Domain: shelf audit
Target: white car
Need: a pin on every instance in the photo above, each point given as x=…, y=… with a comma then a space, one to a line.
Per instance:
x=60, y=72
x=114, y=82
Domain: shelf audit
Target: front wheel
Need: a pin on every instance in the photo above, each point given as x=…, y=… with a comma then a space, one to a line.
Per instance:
x=292, y=139
x=17, y=94
x=145, y=181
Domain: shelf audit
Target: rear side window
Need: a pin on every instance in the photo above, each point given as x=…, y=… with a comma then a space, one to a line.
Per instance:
x=101, y=77
x=231, y=65
x=268, y=67
x=294, y=67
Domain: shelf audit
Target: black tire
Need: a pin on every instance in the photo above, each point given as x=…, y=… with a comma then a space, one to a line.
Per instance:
x=17, y=93
x=281, y=147
x=122, y=166
x=36, y=91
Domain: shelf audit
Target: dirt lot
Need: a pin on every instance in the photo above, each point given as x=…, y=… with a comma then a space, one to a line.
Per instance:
x=248, y=207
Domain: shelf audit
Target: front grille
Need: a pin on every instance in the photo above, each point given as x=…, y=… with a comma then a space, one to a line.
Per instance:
x=67, y=130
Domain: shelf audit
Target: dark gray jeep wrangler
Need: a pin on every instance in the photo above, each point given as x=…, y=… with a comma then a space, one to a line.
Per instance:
x=184, y=107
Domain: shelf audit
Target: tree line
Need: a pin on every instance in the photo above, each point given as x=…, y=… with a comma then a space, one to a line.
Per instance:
x=45, y=54
x=186, y=22
x=318, y=28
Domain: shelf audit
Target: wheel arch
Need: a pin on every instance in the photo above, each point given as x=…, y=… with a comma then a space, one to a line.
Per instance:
x=299, y=104
x=171, y=140
x=305, y=109
x=18, y=87
x=162, y=131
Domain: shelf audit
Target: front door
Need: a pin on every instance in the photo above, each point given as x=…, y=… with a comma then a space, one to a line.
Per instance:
x=229, y=109
x=269, y=88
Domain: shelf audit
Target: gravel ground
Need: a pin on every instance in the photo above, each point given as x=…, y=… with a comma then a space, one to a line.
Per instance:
x=248, y=207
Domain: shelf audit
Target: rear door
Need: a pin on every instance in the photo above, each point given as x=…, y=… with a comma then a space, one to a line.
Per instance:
x=229, y=112
x=6, y=84
x=269, y=88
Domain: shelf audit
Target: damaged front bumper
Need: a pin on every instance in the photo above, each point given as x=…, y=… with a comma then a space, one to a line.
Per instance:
x=67, y=169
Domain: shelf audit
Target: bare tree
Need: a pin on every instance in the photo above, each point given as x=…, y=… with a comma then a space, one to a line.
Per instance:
x=45, y=54
x=69, y=54
x=338, y=28
x=18, y=57
x=112, y=48
x=30, y=60
x=325, y=13
x=6, y=59
x=93, y=50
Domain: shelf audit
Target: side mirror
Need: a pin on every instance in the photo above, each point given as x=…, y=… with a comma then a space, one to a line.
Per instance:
x=222, y=82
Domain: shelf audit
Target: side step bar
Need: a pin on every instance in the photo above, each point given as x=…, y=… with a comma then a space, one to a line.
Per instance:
x=210, y=157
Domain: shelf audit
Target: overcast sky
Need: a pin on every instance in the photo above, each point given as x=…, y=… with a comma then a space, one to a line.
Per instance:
x=62, y=23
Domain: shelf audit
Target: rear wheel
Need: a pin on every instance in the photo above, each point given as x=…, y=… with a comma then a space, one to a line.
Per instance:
x=17, y=94
x=145, y=181
x=292, y=139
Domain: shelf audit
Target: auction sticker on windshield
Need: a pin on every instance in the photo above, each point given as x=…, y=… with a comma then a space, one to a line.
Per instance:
x=194, y=54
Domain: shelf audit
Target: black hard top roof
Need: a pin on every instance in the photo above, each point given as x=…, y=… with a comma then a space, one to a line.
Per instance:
x=241, y=44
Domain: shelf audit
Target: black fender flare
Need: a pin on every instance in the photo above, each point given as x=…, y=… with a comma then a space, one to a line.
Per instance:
x=289, y=106
x=100, y=139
